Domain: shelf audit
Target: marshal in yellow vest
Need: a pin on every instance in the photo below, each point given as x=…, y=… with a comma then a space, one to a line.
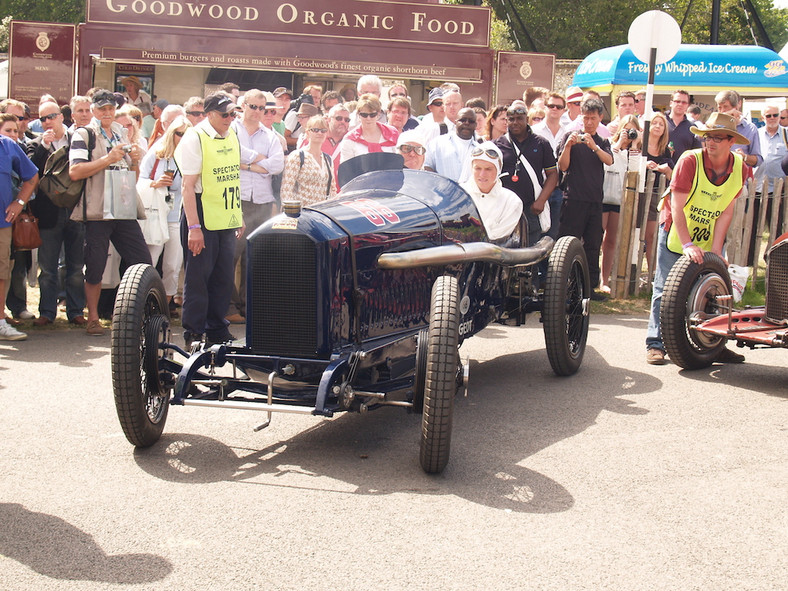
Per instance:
x=705, y=204
x=221, y=181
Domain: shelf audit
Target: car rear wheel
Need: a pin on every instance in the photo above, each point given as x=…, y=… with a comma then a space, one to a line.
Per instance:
x=140, y=324
x=690, y=291
x=565, y=307
x=440, y=384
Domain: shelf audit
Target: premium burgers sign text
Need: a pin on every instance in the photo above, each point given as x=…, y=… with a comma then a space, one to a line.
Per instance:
x=359, y=19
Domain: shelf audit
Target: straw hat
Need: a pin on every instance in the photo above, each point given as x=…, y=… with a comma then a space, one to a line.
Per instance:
x=721, y=122
x=132, y=81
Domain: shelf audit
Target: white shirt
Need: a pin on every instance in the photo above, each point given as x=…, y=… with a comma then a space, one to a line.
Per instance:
x=500, y=209
x=546, y=133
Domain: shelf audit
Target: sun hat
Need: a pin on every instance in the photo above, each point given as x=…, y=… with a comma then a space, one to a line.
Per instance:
x=721, y=122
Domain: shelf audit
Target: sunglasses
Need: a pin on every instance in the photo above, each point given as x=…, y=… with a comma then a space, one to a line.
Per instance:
x=772, y=116
x=576, y=103
x=255, y=107
x=368, y=115
x=227, y=115
x=490, y=153
x=716, y=139
x=53, y=115
x=269, y=112
x=318, y=130
x=516, y=111
x=559, y=107
x=340, y=118
x=137, y=118
x=407, y=149
x=179, y=133
x=466, y=120
x=436, y=104
x=196, y=113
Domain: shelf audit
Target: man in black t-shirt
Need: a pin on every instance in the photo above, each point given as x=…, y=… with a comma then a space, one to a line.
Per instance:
x=582, y=159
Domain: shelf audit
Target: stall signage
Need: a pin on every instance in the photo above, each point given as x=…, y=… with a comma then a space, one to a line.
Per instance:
x=517, y=71
x=357, y=19
x=293, y=64
x=41, y=61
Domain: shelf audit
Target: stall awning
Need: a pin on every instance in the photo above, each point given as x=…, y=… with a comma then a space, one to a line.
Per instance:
x=697, y=68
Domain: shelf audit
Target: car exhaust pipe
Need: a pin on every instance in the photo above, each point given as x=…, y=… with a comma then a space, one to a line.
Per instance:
x=467, y=253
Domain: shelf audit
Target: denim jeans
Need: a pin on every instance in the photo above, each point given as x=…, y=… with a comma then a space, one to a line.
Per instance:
x=71, y=236
x=665, y=261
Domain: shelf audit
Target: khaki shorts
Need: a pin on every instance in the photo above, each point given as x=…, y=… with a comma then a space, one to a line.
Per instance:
x=5, y=254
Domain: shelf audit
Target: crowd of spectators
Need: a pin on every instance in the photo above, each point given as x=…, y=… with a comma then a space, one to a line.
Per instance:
x=550, y=150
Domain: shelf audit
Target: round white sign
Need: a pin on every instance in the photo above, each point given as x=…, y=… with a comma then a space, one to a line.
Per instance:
x=654, y=29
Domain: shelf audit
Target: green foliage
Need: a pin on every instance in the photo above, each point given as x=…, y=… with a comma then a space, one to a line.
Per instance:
x=500, y=30
x=572, y=29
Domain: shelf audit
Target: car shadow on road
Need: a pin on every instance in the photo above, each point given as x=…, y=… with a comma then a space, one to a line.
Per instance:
x=377, y=453
x=751, y=375
x=54, y=548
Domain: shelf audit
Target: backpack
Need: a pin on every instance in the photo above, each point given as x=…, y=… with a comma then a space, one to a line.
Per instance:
x=56, y=183
x=327, y=159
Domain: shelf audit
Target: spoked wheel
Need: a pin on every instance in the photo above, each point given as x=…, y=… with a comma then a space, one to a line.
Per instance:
x=690, y=292
x=565, y=307
x=441, y=375
x=140, y=324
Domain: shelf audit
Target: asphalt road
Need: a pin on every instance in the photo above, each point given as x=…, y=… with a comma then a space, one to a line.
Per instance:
x=625, y=476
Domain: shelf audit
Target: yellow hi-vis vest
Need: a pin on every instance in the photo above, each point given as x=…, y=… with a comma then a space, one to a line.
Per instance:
x=221, y=181
x=705, y=204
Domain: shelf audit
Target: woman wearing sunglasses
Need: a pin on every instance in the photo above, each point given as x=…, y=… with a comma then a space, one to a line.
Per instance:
x=308, y=177
x=371, y=135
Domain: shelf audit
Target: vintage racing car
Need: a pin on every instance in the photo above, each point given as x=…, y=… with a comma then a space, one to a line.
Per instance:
x=353, y=304
x=698, y=317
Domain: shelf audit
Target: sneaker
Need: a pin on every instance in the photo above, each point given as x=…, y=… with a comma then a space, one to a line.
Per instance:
x=95, y=329
x=9, y=333
x=728, y=356
x=25, y=315
x=655, y=357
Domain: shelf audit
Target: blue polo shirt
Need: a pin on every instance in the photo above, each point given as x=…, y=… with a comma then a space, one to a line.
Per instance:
x=12, y=158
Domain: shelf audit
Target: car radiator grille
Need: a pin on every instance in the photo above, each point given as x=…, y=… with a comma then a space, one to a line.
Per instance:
x=777, y=284
x=283, y=297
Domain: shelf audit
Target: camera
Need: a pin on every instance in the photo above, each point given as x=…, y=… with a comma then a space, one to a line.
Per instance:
x=127, y=148
x=581, y=137
x=632, y=134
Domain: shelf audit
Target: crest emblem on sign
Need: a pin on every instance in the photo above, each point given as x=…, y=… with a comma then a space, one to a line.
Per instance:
x=526, y=70
x=42, y=42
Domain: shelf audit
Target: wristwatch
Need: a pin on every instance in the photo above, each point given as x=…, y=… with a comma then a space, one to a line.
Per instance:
x=20, y=202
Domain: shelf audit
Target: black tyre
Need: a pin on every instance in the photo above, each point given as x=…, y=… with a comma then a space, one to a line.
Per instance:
x=691, y=289
x=420, y=376
x=565, y=306
x=140, y=323
x=441, y=375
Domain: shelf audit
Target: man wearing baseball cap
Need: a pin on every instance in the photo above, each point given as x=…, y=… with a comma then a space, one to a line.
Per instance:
x=697, y=214
x=210, y=158
x=499, y=208
x=434, y=123
x=97, y=148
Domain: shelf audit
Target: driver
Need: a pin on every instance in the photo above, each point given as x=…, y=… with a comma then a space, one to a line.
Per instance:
x=499, y=208
x=696, y=216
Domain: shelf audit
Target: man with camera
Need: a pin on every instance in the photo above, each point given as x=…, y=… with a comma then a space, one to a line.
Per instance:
x=97, y=150
x=583, y=155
